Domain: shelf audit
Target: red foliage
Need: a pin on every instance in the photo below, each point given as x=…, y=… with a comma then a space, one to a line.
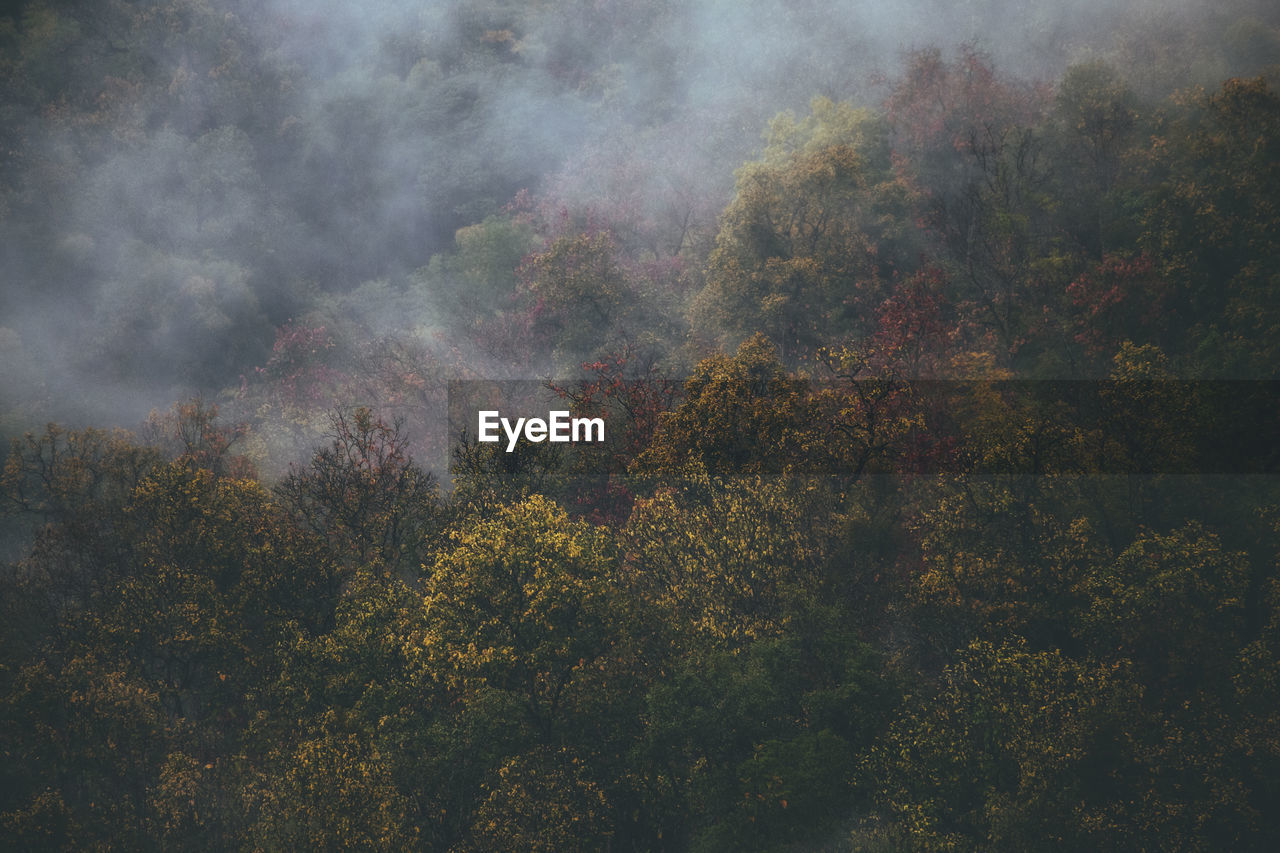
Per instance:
x=1118, y=299
x=952, y=125
x=299, y=369
x=629, y=394
x=520, y=338
x=939, y=105
x=912, y=335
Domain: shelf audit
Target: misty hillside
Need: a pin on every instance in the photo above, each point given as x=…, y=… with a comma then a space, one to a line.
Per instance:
x=937, y=345
x=182, y=180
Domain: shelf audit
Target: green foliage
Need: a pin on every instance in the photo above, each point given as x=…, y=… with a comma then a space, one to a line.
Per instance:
x=1019, y=750
x=521, y=603
x=755, y=747
x=740, y=414
x=813, y=229
x=479, y=278
x=1181, y=582
x=334, y=792
x=710, y=650
x=1095, y=122
x=542, y=801
x=583, y=298
x=178, y=597
x=726, y=561
x=81, y=737
x=1207, y=211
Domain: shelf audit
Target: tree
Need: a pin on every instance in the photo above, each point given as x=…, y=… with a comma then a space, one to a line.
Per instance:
x=1118, y=300
x=218, y=571
x=726, y=560
x=203, y=576
x=814, y=229
x=1207, y=184
x=365, y=494
x=479, y=277
x=66, y=493
x=341, y=747
x=543, y=800
x=1174, y=605
x=1096, y=117
x=583, y=297
x=526, y=639
x=521, y=602
x=190, y=432
x=1018, y=750
x=740, y=414
x=746, y=415
x=967, y=137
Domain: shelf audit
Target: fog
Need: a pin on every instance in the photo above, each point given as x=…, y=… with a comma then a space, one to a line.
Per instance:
x=181, y=179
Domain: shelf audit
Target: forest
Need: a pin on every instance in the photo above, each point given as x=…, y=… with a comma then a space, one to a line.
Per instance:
x=938, y=349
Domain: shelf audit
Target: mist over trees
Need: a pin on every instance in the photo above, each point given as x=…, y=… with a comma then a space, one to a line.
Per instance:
x=936, y=344
x=180, y=179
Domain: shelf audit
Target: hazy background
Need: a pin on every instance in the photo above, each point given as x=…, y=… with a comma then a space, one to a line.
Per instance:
x=179, y=180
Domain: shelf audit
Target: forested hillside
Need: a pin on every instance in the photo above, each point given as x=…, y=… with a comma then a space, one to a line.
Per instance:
x=938, y=350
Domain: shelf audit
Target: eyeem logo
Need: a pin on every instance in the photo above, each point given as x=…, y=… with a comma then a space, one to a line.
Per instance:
x=558, y=427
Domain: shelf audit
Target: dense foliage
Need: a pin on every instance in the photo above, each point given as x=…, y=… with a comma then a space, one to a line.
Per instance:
x=912, y=530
